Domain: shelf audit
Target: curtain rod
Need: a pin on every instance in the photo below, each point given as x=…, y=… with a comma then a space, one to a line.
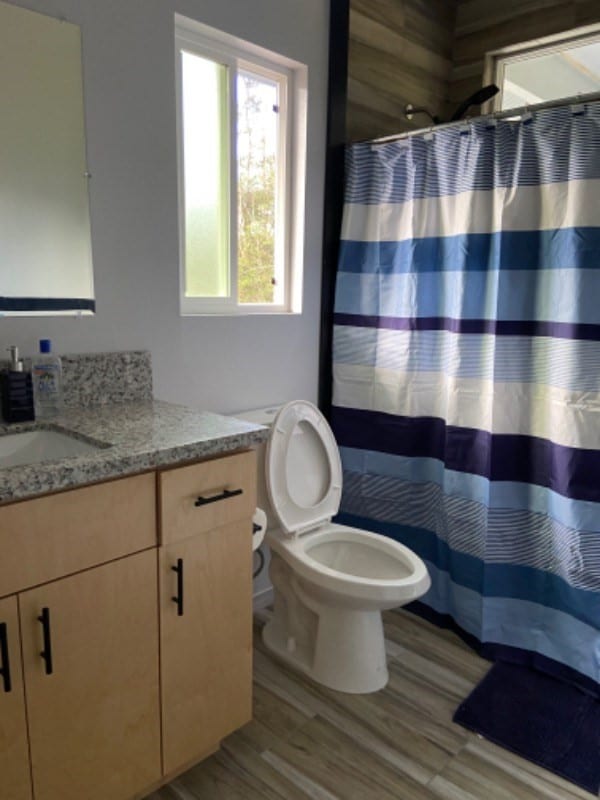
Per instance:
x=509, y=112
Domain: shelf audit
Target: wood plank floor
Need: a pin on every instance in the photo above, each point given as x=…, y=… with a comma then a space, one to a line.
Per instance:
x=306, y=741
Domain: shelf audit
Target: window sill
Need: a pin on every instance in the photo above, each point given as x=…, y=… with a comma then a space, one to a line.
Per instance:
x=259, y=312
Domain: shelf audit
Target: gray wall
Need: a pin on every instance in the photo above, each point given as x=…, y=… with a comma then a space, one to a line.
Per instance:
x=217, y=363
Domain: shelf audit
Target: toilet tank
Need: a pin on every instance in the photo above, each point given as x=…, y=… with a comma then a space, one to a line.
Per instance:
x=262, y=416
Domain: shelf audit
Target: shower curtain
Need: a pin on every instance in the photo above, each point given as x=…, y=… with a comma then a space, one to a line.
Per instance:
x=466, y=398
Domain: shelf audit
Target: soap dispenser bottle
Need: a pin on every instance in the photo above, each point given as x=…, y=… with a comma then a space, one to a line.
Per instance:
x=46, y=370
x=17, y=390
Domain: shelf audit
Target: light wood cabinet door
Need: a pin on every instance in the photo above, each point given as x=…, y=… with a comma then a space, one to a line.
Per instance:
x=206, y=640
x=94, y=721
x=15, y=780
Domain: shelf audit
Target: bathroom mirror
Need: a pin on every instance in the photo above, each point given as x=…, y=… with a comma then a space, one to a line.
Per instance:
x=45, y=243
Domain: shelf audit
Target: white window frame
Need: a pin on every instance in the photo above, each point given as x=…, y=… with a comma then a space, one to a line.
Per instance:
x=497, y=60
x=291, y=78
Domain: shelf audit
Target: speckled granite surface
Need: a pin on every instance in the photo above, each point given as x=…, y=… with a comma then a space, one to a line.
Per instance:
x=90, y=379
x=106, y=378
x=132, y=437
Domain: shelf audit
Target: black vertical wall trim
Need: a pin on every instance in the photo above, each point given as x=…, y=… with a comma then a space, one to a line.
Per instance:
x=339, y=26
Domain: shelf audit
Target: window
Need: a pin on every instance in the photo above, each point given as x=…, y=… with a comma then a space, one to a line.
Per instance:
x=563, y=65
x=241, y=138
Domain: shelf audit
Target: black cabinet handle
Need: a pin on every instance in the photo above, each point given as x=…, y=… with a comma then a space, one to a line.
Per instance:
x=46, y=653
x=178, y=599
x=225, y=495
x=4, y=659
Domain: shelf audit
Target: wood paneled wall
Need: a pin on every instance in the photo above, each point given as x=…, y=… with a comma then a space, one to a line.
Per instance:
x=431, y=52
x=484, y=25
x=400, y=52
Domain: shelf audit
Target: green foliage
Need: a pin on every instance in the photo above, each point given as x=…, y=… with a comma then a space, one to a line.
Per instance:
x=256, y=233
x=256, y=202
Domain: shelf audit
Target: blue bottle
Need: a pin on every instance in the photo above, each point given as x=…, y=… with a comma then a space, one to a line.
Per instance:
x=46, y=372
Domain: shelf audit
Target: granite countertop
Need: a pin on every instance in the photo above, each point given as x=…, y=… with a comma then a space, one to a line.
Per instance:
x=132, y=437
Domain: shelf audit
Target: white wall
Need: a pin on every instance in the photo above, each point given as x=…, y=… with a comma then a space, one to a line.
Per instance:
x=217, y=363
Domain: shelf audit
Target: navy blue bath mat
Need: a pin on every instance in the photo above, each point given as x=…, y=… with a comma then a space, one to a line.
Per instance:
x=539, y=718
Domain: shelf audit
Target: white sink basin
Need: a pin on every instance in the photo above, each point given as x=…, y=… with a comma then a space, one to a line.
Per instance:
x=33, y=447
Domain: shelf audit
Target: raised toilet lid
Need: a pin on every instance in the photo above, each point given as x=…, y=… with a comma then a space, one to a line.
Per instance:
x=303, y=468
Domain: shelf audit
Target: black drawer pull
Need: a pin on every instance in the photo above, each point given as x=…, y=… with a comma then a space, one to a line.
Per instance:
x=46, y=653
x=225, y=495
x=178, y=599
x=4, y=660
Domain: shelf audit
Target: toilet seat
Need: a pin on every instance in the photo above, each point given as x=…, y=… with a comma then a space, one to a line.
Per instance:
x=303, y=468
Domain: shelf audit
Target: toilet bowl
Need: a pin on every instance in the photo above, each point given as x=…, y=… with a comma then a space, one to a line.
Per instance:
x=331, y=582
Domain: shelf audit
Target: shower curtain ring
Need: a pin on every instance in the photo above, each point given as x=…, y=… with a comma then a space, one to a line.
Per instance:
x=526, y=116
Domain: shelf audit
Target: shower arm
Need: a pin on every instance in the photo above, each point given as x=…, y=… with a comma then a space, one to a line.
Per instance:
x=578, y=99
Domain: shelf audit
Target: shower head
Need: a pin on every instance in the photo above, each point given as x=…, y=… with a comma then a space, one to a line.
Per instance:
x=478, y=98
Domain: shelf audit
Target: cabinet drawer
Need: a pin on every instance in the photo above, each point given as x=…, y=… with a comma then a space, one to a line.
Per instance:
x=204, y=496
x=53, y=536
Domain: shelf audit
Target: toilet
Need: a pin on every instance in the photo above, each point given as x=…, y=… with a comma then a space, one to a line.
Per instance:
x=331, y=582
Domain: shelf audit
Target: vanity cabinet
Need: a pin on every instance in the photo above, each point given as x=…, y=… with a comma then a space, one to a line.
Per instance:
x=125, y=625
x=14, y=754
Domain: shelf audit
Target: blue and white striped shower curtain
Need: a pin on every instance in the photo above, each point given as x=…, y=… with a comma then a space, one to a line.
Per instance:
x=467, y=374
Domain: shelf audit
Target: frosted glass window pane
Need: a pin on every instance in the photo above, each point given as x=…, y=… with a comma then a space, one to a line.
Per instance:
x=206, y=176
x=257, y=141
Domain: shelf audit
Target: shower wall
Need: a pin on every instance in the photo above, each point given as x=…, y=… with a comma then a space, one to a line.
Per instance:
x=400, y=52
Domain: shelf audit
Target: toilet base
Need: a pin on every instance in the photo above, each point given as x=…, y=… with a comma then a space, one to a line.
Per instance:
x=348, y=653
